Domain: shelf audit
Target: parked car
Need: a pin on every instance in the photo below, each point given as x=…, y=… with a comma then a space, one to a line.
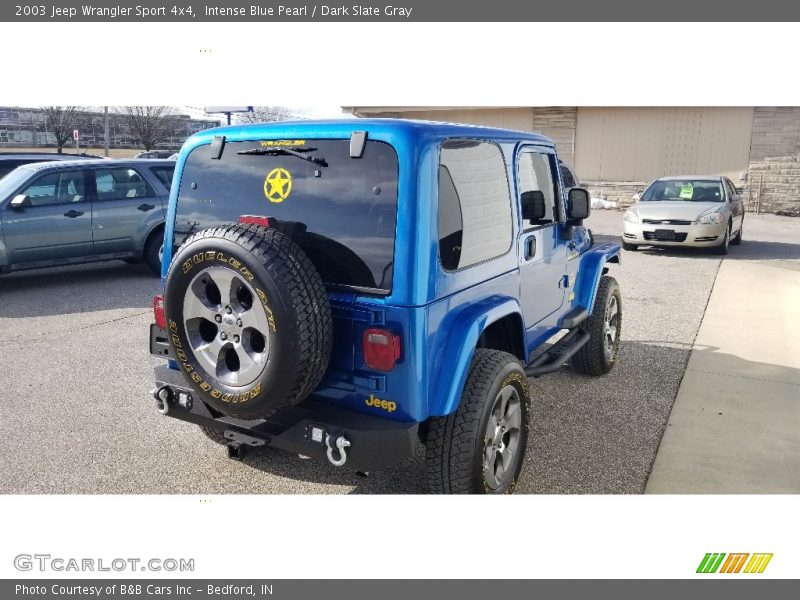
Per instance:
x=11, y=160
x=154, y=154
x=346, y=289
x=699, y=211
x=568, y=176
x=68, y=212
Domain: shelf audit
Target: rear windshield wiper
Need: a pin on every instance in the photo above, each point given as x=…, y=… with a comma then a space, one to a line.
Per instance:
x=298, y=152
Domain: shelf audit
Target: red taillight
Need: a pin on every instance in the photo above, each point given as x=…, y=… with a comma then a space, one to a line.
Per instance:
x=158, y=311
x=381, y=349
x=265, y=222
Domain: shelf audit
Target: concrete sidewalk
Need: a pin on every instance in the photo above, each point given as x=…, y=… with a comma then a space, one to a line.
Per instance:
x=735, y=424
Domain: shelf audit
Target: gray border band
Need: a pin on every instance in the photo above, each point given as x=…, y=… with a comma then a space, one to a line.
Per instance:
x=417, y=11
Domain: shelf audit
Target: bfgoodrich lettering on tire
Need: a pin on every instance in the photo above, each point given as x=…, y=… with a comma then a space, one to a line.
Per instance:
x=479, y=448
x=248, y=318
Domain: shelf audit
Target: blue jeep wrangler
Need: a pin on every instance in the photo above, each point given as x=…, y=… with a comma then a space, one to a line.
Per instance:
x=347, y=289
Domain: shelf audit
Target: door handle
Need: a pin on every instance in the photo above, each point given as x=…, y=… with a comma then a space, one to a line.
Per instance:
x=530, y=247
x=145, y=207
x=73, y=214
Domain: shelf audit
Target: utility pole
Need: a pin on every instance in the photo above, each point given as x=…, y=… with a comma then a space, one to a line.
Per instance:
x=105, y=132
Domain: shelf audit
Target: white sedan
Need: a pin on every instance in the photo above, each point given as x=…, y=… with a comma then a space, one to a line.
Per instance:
x=685, y=211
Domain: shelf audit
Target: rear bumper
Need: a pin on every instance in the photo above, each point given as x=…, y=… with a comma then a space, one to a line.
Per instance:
x=374, y=442
x=695, y=235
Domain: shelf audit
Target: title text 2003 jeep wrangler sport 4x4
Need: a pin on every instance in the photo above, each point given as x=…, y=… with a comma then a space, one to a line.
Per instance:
x=344, y=289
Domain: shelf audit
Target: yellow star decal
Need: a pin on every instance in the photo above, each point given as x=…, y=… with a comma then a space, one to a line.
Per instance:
x=278, y=185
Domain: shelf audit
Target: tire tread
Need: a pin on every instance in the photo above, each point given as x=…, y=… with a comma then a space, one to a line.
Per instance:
x=292, y=270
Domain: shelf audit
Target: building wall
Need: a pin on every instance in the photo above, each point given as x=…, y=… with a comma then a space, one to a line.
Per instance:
x=641, y=144
x=774, y=172
x=776, y=132
x=617, y=151
x=22, y=127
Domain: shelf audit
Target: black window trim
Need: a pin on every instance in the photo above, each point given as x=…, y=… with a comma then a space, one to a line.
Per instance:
x=510, y=204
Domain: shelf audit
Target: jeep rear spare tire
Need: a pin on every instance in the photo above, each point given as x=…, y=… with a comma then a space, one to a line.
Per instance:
x=248, y=318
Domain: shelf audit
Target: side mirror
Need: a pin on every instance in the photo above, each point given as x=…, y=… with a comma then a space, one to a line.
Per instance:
x=578, y=206
x=20, y=201
x=533, y=205
x=636, y=197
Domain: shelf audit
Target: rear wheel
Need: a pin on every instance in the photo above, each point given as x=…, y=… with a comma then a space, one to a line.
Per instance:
x=249, y=319
x=604, y=325
x=479, y=448
x=154, y=251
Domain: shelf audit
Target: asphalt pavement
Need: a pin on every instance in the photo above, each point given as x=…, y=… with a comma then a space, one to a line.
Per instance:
x=76, y=415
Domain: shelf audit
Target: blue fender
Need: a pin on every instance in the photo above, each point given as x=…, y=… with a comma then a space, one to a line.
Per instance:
x=463, y=330
x=591, y=269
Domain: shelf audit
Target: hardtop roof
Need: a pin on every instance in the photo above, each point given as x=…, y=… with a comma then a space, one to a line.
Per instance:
x=329, y=127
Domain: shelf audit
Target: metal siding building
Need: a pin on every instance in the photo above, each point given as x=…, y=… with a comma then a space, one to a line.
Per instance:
x=616, y=151
x=641, y=144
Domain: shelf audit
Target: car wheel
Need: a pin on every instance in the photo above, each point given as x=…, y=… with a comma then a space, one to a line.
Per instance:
x=738, y=238
x=479, y=448
x=604, y=325
x=629, y=247
x=726, y=240
x=154, y=251
x=249, y=319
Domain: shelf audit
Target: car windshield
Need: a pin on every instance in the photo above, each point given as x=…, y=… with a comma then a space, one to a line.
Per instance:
x=684, y=190
x=342, y=211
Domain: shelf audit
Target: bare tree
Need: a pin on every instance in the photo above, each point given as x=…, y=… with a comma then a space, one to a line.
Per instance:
x=264, y=114
x=60, y=121
x=149, y=125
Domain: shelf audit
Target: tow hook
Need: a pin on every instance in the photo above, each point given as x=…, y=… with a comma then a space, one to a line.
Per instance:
x=339, y=444
x=162, y=395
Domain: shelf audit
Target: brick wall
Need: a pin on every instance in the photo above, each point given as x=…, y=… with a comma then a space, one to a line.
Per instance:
x=776, y=132
x=774, y=173
x=558, y=123
x=620, y=192
x=774, y=185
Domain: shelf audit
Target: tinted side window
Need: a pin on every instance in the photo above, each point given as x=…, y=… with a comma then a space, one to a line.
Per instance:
x=65, y=187
x=164, y=175
x=474, y=204
x=120, y=184
x=537, y=190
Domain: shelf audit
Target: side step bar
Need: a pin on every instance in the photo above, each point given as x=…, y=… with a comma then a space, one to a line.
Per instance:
x=558, y=354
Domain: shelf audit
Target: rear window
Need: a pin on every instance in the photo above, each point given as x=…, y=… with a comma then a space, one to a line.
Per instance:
x=342, y=211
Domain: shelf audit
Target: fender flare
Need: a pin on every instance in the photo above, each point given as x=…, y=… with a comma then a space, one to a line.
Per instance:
x=464, y=330
x=592, y=266
x=149, y=232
